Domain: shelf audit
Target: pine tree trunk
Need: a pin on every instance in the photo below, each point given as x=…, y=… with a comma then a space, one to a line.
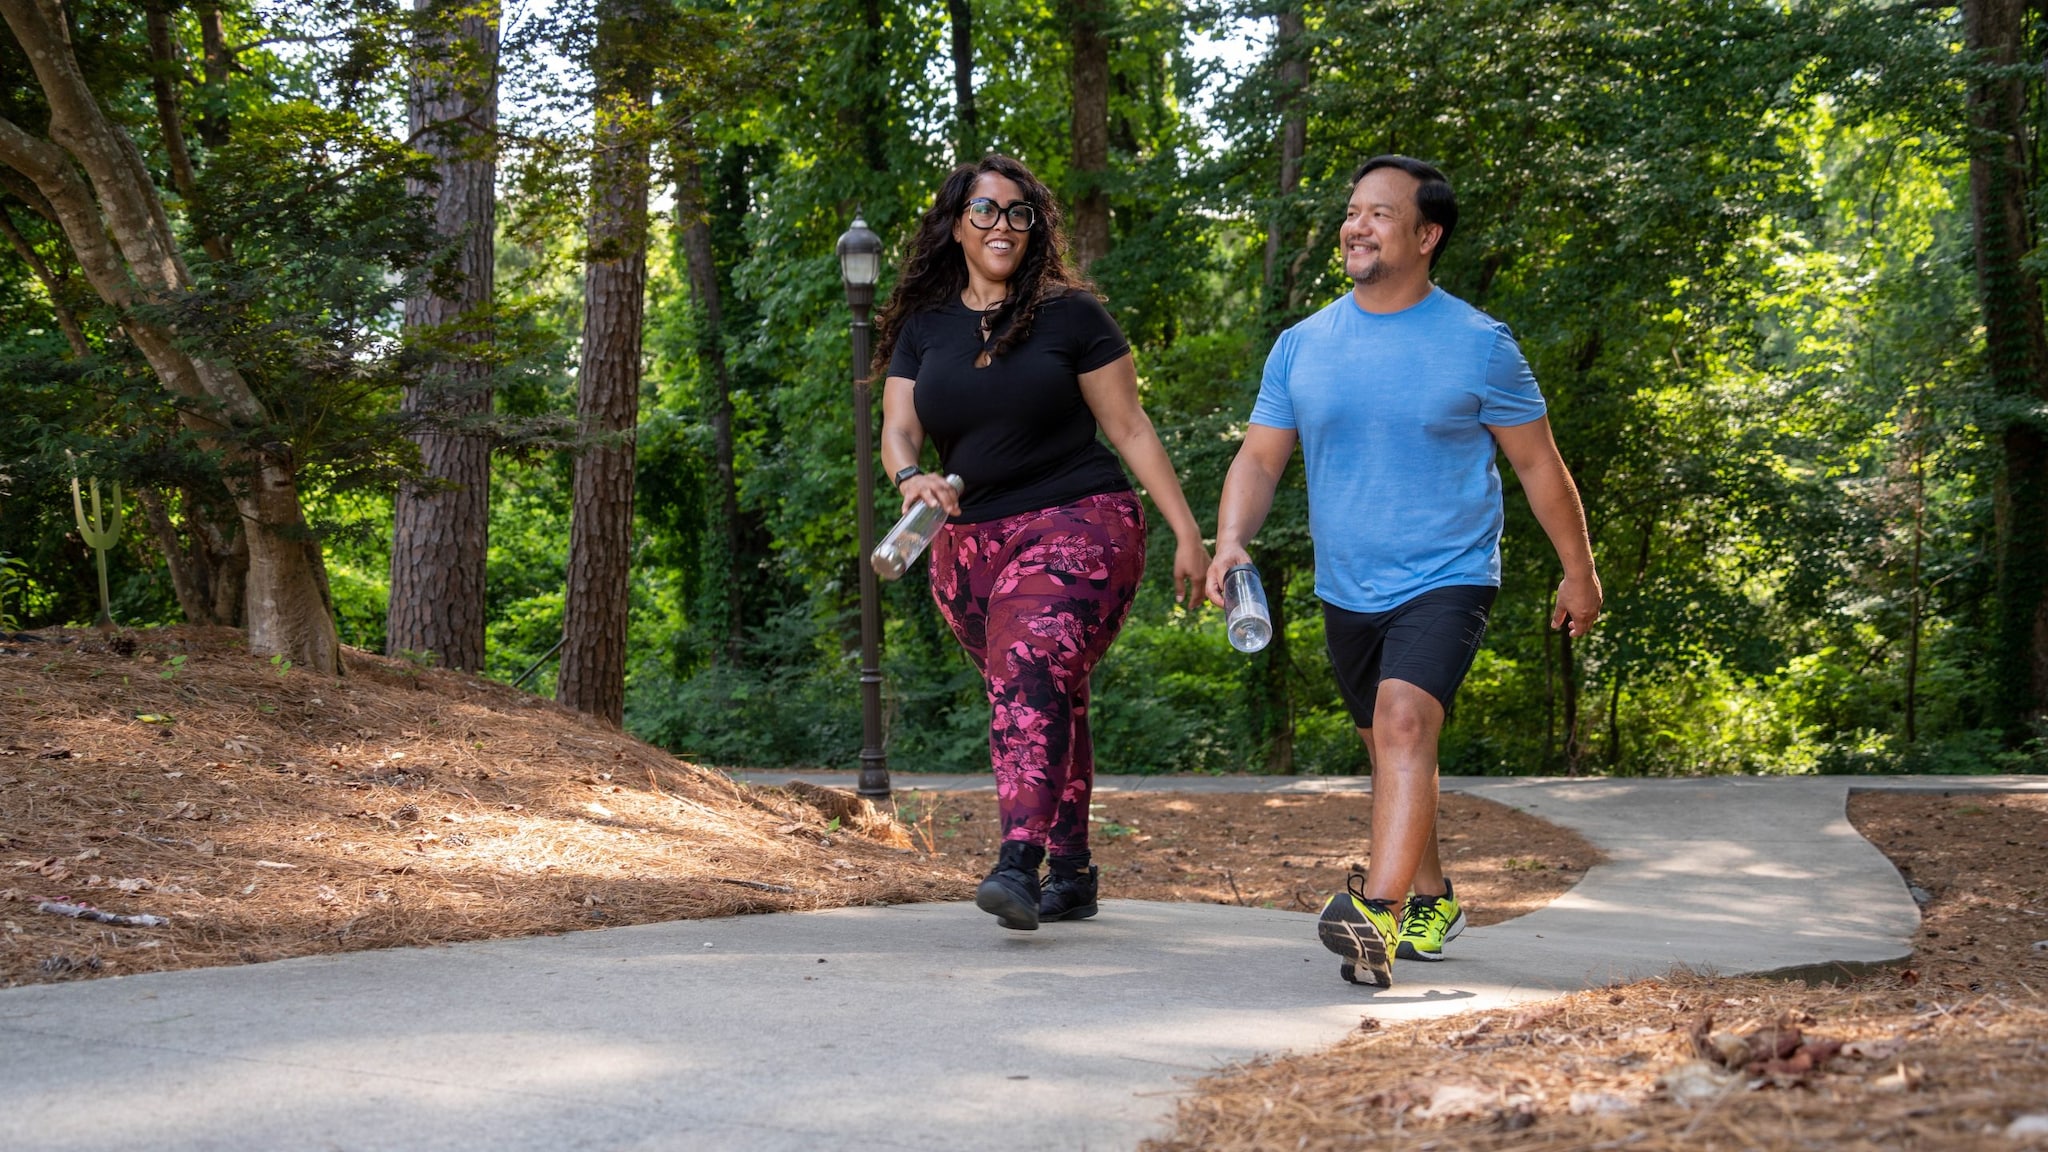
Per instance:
x=1276, y=705
x=966, y=123
x=1569, y=675
x=2016, y=354
x=593, y=670
x=440, y=526
x=1088, y=22
x=104, y=199
x=693, y=216
x=1291, y=67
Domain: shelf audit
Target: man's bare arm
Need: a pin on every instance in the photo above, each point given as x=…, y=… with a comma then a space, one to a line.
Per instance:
x=1247, y=498
x=1555, y=500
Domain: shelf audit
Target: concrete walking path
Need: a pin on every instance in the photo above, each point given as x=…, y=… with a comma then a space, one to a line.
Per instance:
x=911, y=1027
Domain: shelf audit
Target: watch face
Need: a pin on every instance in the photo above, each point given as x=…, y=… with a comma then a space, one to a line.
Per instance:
x=907, y=473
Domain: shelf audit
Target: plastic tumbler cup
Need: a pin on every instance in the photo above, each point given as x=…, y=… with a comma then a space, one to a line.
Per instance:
x=1245, y=615
x=907, y=540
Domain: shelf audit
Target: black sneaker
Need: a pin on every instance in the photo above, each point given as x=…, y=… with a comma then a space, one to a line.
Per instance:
x=1010, y=893
x=1068, y=892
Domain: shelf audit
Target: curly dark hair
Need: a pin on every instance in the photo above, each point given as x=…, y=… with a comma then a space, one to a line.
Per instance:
x=935, y=270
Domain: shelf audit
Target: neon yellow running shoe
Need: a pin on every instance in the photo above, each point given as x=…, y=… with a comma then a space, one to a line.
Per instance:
x=1363, y=932
x=1428, y=922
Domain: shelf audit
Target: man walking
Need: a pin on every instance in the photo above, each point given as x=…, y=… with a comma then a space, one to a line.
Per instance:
x=1399, y=394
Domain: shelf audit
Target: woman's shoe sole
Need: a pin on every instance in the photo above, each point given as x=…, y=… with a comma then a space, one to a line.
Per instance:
x=1009, y=911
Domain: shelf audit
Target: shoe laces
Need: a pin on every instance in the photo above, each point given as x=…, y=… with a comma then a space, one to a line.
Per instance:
x=1426, y=913
x=1356, y=884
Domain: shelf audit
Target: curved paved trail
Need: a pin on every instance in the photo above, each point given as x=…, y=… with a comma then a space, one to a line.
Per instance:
x=913, y=1027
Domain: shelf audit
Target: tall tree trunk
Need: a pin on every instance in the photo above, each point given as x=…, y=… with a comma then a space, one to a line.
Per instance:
x=1291, y=66
x=207, y=575
x=2016, y=354
x=864, y=116
x=440, y=526
x=1549, y=697
x=217, y=63
x=1276, y=703
x=693, y=214
x=102, y=196
x=1568, y=673
x=966, y=122
x=593, y=672
x=1915, y=572
x=1088, y=23
x=170, y=117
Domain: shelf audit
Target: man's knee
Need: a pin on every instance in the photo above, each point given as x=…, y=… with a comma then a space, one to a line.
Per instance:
x=1405, y=717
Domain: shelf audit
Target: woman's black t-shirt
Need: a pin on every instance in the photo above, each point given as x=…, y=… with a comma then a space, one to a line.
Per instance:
x=1018, y=432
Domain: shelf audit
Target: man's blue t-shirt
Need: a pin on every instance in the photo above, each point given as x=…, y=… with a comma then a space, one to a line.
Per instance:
x=1392, y=412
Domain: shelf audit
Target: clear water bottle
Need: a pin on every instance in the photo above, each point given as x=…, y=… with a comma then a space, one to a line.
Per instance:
x=907, y=540
x=1245, y=615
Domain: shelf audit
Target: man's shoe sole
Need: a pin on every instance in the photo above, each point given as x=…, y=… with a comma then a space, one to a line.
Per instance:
x=1408, y=951
x=1081, y=913
x=1350, y=935
x=1004, y=905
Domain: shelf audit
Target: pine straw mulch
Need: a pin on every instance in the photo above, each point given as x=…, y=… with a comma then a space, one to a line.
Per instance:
x=266, y=813
x=1285, y=851
x=1950, y=1052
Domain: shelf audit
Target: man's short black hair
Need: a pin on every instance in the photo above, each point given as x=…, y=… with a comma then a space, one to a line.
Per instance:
x=1438, y=204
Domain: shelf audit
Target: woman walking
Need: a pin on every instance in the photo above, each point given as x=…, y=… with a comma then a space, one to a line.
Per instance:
x=1006, y=359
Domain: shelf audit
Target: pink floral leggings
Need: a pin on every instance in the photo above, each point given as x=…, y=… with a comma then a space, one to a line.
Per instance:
x=1036, y=599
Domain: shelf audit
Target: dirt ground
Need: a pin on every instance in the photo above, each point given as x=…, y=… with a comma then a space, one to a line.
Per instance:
x=1950, y=1052
x=264, y=813
x=261, y=813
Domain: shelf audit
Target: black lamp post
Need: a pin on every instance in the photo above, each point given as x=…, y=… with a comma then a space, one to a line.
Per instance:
x=860, y=265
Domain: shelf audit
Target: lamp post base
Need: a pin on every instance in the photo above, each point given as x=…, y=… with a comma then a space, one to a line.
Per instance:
x=874, y=777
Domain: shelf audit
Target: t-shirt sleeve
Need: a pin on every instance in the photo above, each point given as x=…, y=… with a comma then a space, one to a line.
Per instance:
x=1096, y=340
x=1275, y=406
x=1511, y=396
x=909, y=352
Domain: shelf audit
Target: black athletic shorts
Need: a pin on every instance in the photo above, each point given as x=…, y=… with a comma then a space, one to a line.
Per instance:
x=1428, y=641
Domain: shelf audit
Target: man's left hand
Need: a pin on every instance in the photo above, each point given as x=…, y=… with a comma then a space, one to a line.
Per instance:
x=1578, y=601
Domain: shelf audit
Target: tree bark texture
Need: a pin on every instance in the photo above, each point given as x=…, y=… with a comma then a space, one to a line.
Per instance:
x=1088, y=22
x=1291, y=68
x=440, y=526
x=2016, y=353
x=966, y=123
x=101, y=194
x=207, y=576
x=593, y=669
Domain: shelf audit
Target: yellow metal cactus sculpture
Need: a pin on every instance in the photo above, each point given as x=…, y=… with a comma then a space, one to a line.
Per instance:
x=99, y=536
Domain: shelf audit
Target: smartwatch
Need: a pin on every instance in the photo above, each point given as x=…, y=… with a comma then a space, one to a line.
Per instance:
x=907, y=473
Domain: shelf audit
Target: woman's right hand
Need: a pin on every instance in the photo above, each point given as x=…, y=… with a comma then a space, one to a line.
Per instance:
x=928, y=488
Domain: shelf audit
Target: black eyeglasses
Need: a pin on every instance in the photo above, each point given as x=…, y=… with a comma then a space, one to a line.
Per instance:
x=982, y=213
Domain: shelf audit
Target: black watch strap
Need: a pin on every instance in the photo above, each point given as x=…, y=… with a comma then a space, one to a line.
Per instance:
x=907, y=473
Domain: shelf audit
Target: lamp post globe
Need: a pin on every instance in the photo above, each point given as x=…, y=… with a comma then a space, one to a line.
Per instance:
x=860, y=266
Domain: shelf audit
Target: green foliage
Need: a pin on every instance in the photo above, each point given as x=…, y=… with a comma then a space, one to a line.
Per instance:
x=1732, y=237
x=11, y=581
